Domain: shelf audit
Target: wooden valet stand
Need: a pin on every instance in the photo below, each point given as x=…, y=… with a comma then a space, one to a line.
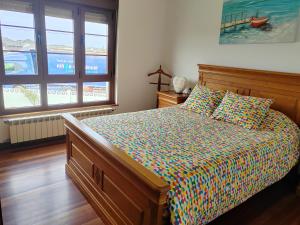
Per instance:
x=159, y=83
x=160, y=73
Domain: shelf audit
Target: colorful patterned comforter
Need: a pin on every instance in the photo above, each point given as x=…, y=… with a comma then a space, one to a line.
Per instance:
x=211, y=166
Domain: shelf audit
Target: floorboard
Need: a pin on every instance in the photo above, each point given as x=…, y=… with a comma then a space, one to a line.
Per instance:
x=35, y=190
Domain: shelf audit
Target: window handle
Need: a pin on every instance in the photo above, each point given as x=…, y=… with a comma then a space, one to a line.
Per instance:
x=82, y=39
x=39, y=39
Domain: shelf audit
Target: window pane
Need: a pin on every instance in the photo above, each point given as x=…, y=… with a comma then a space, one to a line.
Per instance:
x=96, y=23
x=21, y=95
x=61, y=64
x=95, y=45
x=59, y=19
x=13, y=18
x=20, y=63
x=18, y=39
x=62, y=93
x=11, y=11
x=95, y=91
x=58, y=42
x=95, y=65
x=96, y=28
x=60, y=39
x=53, y=23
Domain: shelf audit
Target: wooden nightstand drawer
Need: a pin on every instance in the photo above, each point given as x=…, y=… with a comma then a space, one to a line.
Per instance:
x=170, y=98
x=162, y=103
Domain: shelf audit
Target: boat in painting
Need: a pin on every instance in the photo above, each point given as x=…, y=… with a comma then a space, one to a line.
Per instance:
x=258, y=22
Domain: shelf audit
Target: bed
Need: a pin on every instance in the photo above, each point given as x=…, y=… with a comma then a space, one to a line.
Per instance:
x=135, y=168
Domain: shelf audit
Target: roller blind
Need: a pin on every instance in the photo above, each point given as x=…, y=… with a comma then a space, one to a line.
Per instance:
x=16, y=6
x=95, y=17
x=58, y=12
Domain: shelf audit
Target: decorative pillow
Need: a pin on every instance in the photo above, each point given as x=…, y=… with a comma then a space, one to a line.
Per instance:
x=246, y=111
x=203, y=100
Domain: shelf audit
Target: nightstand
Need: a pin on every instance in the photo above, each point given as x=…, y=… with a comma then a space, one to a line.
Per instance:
x=170, y=98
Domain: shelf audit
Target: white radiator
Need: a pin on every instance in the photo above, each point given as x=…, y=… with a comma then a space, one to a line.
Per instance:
x=45, y=126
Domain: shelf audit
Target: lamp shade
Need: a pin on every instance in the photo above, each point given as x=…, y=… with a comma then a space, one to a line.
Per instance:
x=179, y=84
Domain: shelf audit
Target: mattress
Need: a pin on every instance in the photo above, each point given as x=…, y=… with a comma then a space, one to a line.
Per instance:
x=211, y=166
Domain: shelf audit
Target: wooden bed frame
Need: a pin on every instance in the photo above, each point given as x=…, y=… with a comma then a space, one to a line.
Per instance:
x=124, y=192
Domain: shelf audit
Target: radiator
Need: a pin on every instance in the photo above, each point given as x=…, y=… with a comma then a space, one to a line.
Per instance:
x=45, y=126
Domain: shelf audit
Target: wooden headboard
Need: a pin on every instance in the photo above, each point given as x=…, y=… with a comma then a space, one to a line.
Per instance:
x=284, y=88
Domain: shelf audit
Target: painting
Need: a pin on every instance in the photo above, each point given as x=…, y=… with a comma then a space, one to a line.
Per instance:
x=259, y=21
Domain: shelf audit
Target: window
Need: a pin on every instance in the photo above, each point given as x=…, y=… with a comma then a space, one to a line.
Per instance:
x=55, y=55
x=60, y=41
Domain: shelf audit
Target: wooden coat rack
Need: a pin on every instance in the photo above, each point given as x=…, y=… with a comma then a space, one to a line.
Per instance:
x=161, y=73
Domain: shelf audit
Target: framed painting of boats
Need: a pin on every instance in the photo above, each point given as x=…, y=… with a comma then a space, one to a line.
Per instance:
x=263, y=21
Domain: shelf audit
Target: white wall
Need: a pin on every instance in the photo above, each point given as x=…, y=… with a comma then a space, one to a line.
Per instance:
x=140, y=42
x=139, y=52
x=193, y=38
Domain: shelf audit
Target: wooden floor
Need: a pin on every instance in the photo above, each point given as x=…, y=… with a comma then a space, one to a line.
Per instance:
x=35, y=191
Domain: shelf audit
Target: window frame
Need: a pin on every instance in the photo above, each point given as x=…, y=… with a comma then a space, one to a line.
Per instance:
x=43, y=78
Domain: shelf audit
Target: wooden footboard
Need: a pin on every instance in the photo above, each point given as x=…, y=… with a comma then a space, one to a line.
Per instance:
x=121, y=190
